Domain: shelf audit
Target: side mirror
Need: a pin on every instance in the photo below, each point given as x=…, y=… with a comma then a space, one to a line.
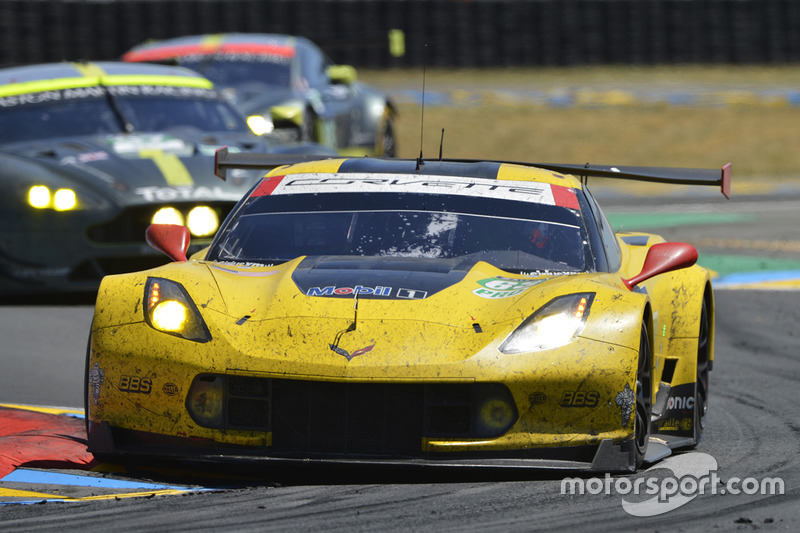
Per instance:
x=286, y=115
x=169, y=239
x=342, y=74
x=664, y=257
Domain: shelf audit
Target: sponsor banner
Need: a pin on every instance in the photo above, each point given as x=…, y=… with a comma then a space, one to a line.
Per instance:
x=539, y=193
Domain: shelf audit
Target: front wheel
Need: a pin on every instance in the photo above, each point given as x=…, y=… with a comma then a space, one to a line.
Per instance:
x=644, y=395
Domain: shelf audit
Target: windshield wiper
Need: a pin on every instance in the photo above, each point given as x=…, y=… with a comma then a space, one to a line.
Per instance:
x=125, y=124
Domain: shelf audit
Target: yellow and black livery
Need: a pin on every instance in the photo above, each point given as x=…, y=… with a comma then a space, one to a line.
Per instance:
x=411, y=312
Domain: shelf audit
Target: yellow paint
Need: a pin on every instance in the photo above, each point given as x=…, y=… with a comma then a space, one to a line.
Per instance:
x=13, y=493
x=170, y=165
x=95, y=76
x=46, y=410
x=287, y=334
x=322, y=166
x=397, y=43
x=212, y=42
x=173, y=81
x=523, y=173
x=146, y=494
x=89, y=70
x=14, y=89
x=781, y=285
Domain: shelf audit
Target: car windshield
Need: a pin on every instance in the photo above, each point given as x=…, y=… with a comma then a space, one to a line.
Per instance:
x=514, y=236
x=233, y=70
x=93, y=111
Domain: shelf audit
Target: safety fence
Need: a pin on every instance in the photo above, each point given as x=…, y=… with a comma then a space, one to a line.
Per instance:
x=410, y=33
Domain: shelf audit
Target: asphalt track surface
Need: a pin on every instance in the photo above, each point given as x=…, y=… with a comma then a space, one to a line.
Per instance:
x=753, y=430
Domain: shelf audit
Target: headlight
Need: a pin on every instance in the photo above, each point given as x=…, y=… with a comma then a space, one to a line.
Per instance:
x=202, y=221
x=259, y=125
x=40, y=197
x=64, y=200
x=168, y=308
x=168, y=215
x=556, y=324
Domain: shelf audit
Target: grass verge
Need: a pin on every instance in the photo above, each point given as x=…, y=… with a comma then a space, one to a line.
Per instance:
x=760, y=140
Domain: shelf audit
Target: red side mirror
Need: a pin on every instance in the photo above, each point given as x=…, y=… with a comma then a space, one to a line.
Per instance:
x=664, y=257
x=169, y=239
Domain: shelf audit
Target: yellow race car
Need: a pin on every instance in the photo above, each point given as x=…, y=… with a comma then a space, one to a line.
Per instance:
x=408, y=311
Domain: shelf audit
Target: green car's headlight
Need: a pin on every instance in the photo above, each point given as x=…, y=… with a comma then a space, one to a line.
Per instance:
x=554, y=325
x=41, y=197
x=259, y=124
x=169, y=308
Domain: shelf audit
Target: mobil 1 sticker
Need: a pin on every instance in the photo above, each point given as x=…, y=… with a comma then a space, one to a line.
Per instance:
x=500, y=287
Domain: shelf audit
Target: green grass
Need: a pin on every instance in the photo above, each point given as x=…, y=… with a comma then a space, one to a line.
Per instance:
x=761, y=139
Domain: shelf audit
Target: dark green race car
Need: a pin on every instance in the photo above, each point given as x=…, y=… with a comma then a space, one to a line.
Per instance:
x=92, y=153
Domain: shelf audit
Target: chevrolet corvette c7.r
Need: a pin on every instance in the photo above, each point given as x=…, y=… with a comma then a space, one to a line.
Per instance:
x=412, y=312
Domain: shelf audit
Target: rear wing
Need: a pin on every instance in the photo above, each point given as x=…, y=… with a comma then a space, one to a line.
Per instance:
x=225, y=160
x=670, y=175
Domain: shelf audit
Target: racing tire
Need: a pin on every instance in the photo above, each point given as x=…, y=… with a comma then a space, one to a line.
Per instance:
x=86, y=383
x=703, y=370
x=644, y=398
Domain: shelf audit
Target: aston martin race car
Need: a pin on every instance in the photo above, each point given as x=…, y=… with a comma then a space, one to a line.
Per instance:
x=92, y=153
x=409, y=312
x=287, y=87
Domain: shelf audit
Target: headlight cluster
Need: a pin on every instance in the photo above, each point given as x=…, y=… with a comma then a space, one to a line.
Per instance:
x=41, y=197
x=259, y=125
x=557, y=323
x=202, y=220
x=168, y=308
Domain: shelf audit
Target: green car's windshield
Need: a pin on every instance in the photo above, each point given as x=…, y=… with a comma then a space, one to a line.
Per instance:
x=114, y=110
x=233, y=70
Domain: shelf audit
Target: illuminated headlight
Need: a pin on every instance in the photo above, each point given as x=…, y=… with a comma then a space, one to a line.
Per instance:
x=554, y=325
x=205, y=400
x=40, y=197
x=64, y=200
x=202, y=221
x=169, y=308
x=168, y=215
x=259, y=125
x=169, y=316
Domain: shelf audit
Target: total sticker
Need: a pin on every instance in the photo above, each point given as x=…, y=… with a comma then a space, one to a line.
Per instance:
x=500, y=287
